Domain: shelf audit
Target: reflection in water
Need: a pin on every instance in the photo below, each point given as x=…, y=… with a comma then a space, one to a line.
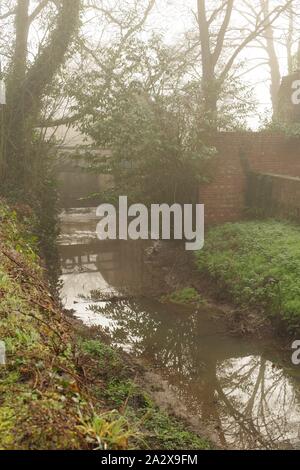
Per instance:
x=227, y=381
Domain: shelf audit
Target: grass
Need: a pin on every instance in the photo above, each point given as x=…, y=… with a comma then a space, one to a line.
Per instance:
x=257, y=265
x=186, y=296
x=150, y=427
x=59, y=389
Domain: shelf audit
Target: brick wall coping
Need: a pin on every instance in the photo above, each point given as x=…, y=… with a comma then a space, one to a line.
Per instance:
x=273, y=175
x=241, y=133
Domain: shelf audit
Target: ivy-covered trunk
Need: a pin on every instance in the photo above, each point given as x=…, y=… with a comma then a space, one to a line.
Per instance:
x=26, y=87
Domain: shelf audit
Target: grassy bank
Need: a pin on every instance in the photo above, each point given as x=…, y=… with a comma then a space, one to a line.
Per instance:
x=61, y=388
x=257, y=266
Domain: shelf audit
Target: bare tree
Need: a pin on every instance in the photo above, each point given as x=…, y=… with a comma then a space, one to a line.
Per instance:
x=116, y=25
x=221, y=43
x=279, y=36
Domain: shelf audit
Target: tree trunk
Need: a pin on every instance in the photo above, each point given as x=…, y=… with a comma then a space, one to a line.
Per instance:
x=273, y=59
x=209, y=89
x=210, y=96
x=26, y=89
x=14, y=113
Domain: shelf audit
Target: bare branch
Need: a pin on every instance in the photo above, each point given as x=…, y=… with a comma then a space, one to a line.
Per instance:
x=59, y=122
x=222, y=32
x=8, y=14
x=38, y=10
x=260, y=28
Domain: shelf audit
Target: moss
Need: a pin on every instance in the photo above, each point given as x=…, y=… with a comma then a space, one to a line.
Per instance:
x=7, y=425
x=101, y=351
x=117, y=392
x=165, y=432
x=186, y=296
x=257, y=265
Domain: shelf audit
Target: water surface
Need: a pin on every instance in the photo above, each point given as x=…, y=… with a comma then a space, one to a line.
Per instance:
x=232, y=384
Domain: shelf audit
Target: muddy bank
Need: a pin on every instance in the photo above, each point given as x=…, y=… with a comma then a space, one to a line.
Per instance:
x=256, y=264
x=176, y=268
x=156, y=387
x=156, y=391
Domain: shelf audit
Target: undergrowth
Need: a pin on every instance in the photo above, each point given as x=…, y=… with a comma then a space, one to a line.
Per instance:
x=257, y=265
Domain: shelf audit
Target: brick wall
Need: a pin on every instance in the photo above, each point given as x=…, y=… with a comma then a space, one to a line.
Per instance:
x=275, y=195
x=237, y=153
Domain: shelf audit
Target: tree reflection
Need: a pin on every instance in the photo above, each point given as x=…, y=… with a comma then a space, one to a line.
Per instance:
x=226, y=381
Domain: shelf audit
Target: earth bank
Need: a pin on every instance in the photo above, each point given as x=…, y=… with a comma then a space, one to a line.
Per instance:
x=64, y=387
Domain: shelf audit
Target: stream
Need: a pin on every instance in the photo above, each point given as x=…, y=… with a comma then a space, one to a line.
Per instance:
x=234, y=385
